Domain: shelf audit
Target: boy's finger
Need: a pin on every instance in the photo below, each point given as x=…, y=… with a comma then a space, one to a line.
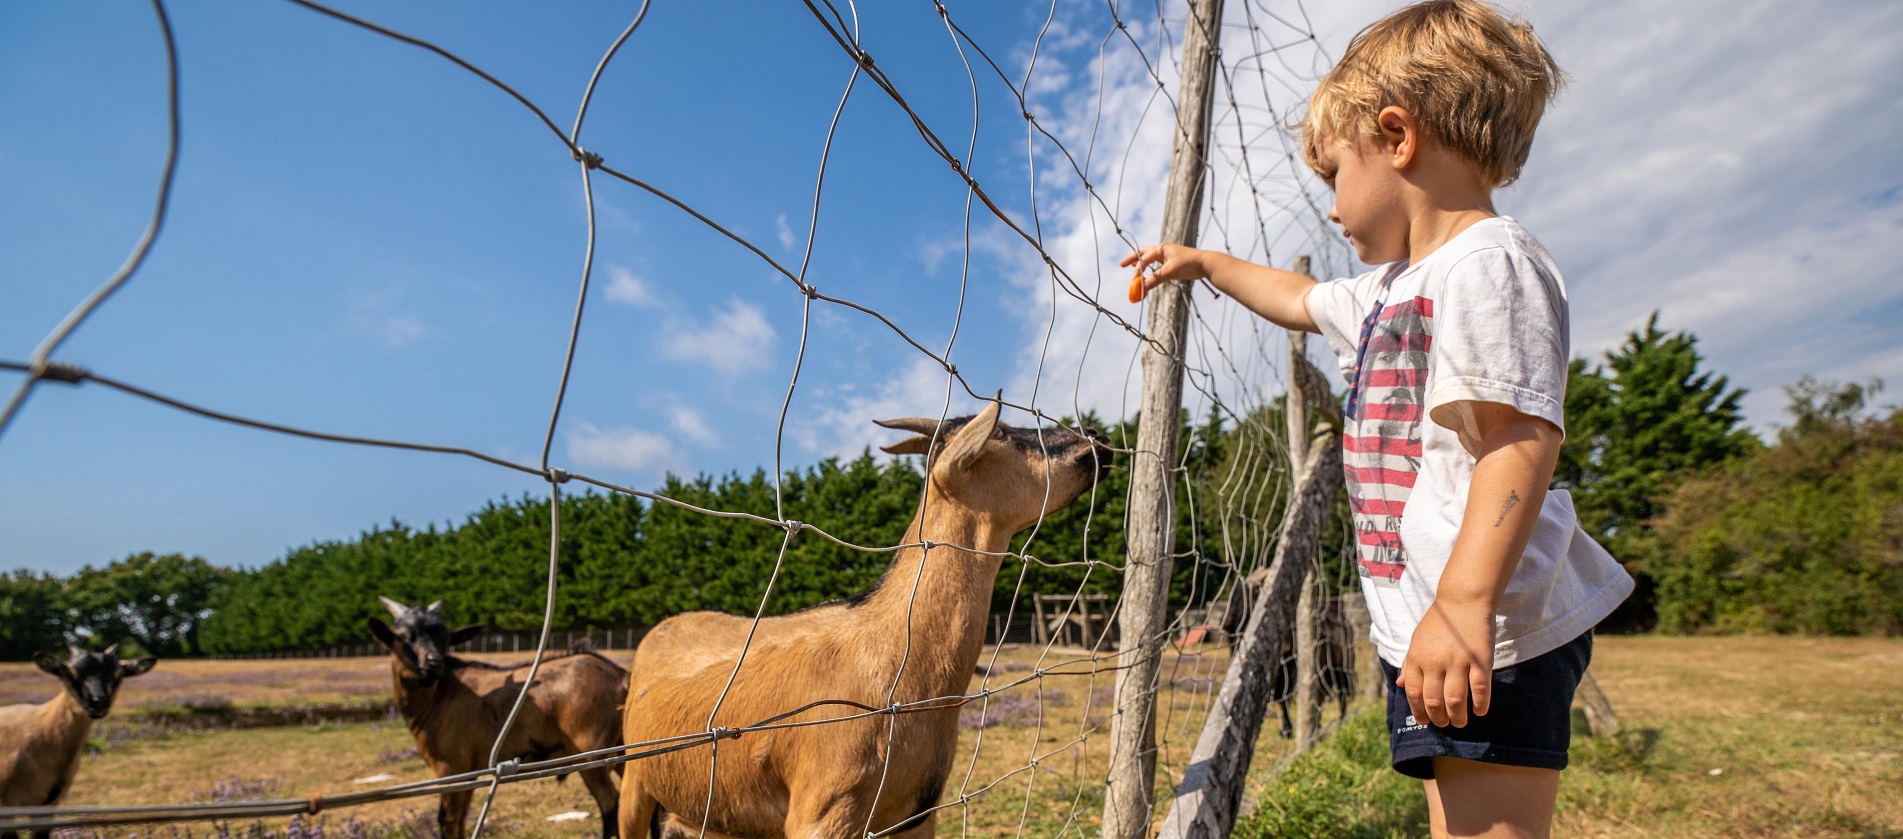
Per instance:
x=1434, y=697
x=1411, y=686
x=1131, y=259
x=1480, y=681
x=1456, y=695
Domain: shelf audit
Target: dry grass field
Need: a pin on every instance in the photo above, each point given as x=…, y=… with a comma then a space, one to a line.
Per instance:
x=1751, y=736
x=1805, y=734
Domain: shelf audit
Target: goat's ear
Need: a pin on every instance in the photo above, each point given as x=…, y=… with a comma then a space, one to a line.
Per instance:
x=464, y=634
x=50, y=663
x=382, y=632
x=134, y=668
x=916, y=444
x=964, y=447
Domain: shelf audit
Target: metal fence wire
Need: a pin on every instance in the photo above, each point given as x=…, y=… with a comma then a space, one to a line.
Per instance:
x=1261, y=204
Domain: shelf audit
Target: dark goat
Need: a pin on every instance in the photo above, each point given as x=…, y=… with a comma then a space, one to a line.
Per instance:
x=1334, y=636
x=40, y=744
x=455, y=707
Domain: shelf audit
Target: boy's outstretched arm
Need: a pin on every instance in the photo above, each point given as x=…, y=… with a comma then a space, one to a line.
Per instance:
x=1451, y=654
x=1270, y=292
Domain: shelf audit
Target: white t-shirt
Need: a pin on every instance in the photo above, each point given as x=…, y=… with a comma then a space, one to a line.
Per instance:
x=1483, y=318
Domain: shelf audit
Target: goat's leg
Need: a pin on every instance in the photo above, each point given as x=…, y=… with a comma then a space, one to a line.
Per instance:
x=1288, y=724
x=602, y=788
x=824, y=813
x=452, y=814
x=639, y=814
x=925, y=829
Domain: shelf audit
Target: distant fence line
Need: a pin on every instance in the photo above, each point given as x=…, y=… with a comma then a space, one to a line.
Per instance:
x=1022, y=629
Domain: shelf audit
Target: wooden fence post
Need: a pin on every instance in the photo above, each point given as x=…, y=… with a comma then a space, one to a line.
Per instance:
x=1308, y=660
x=1308, y=664
x=1211, y=793
x=1128, y=797
x=1600, y=717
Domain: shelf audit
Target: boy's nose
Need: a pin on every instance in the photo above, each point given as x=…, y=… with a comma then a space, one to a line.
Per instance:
x=1332, y=215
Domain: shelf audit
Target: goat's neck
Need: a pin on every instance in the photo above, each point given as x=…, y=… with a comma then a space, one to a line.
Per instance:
x=420, y=704
x=66, y=720
x=944, y=593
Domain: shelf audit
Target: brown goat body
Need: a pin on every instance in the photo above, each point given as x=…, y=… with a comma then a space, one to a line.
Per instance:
x=916, y=636
x=40, y=744
x=455, y=709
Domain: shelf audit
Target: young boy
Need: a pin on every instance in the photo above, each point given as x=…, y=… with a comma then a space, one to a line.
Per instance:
x=1483, y=589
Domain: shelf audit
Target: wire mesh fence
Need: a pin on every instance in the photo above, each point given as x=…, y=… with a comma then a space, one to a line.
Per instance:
x=925, y=719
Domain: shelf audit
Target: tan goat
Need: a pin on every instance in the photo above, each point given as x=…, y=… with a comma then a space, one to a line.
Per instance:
x=40, y=744
x=922, y=625
x=455, y=707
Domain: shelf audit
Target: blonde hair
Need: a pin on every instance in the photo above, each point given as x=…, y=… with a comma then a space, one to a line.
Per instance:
x=1475, y=81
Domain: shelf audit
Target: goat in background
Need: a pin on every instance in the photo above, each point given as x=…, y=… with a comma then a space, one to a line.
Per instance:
x=455, y=707
x=1334, y=636
x=40, y=744
x=916, y=635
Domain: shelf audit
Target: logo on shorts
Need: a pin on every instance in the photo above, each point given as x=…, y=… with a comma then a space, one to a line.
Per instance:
x=1410, y=725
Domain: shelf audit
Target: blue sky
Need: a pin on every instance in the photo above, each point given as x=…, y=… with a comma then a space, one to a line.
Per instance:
x=366, y=239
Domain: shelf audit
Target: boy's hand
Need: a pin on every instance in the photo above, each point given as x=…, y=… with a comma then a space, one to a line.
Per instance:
x=1172, y=261
x=1449, y=659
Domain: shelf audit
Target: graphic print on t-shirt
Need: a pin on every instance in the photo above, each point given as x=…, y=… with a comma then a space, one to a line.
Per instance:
x=1381, y=453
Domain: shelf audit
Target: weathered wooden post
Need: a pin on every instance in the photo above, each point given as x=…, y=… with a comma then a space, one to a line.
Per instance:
x=1600, y=717
x=1308, y=660
x=1308, y=663
x=1211, y=792
x=1128, y=798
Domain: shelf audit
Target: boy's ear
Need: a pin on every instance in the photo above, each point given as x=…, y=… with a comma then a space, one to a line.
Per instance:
x=1400, y=135
x=50, y=663
x=463, y=634
x=382, y=632
x=134, y=668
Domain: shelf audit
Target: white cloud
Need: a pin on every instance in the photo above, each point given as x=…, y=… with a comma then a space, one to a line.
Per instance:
x=625, y=287
x=1732, y=165
x=380, y=316
x=1728, y=163
x=693, y=426
x=736, y=340
x=843, y=427
x=1076, y=358
x=784, y=231
x=626, y=449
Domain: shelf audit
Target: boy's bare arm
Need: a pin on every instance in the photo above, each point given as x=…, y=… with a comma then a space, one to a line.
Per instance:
x=1270, y=292
x=1451, y=654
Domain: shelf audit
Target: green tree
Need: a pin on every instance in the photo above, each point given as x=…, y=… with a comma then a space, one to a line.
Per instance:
x=1804, y=536
x=1637, y=425
x=32, y=614
x=157, y=600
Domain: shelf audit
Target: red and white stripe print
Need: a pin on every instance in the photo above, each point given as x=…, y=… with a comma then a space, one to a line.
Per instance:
x=1381, y=453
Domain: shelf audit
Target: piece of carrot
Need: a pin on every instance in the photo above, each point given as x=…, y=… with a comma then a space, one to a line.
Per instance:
x=1136, y=289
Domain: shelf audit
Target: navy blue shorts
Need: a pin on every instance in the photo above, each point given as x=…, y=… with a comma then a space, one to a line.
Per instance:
x=1529, y=724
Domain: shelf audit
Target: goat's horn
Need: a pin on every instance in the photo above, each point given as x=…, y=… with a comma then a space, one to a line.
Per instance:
x=915, y=444
x=434, y=607
x=74, y=650
x=396, y=609
x=916, y=425
x=110, y=650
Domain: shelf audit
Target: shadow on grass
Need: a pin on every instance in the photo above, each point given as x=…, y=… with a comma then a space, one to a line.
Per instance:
x=1341, y=788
